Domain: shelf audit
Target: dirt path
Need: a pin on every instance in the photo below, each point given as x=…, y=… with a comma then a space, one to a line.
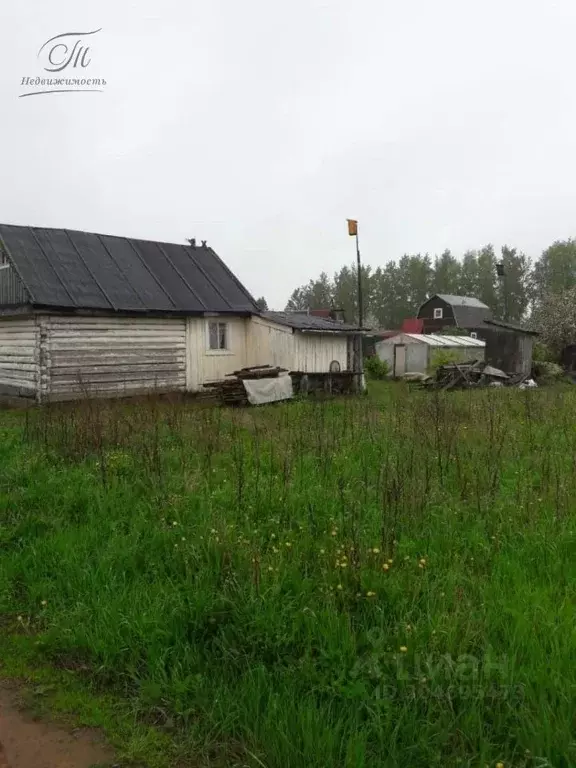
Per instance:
x=27, y=743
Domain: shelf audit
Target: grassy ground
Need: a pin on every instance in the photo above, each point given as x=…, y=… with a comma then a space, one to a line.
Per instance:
x=378, y=582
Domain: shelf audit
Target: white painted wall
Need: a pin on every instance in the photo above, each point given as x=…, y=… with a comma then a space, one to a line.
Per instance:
x=19, y=356
x=269, y=342
x=205, y=365
x=112, y=355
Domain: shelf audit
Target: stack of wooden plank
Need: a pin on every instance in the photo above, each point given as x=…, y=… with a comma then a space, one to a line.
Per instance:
x=463, y=375
x=231, y=391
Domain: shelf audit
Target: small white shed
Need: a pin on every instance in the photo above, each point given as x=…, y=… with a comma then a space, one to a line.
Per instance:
x=414, y=352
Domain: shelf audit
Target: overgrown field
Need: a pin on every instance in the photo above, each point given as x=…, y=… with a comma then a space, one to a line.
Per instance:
x=389, y=581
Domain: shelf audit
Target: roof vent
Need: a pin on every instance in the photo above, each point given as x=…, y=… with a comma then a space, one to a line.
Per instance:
x=192, y=241
x=204, y=244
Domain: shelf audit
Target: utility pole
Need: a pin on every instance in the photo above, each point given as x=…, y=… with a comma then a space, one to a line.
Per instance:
x=501, y=272
x=359, y=367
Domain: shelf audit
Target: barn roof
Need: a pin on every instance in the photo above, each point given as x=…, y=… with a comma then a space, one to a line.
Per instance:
x=69, y=269
x=461, y=301
x=302, y=321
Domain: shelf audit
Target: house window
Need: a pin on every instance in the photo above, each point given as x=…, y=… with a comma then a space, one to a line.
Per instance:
x=473, y=335
x=217, y=336
x=438, y=313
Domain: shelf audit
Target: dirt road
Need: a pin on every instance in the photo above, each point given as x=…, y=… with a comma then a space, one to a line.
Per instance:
x=27, y=743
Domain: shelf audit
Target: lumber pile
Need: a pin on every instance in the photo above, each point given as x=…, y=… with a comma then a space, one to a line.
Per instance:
x=465, y=375
x=231, y=390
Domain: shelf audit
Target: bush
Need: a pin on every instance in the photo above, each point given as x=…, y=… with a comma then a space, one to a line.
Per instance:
x=444, y=357
x=375, y=368
x=547, y=372
x=543, y=354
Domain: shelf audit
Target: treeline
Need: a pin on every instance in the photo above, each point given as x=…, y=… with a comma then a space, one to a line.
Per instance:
x=395, y=291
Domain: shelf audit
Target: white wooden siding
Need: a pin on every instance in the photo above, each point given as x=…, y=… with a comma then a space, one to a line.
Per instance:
x=113, y=355
x=205, y=365
x=19, y=356
x=277, y=344
x=270, y=343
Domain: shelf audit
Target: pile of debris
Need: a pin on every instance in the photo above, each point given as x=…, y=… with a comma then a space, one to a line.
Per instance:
x=232, y=391
x=474, y=374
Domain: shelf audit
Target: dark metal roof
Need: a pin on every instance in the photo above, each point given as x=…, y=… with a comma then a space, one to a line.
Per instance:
x=304, y=322
x=80, y=270
x=461, y=301
x=511, y=327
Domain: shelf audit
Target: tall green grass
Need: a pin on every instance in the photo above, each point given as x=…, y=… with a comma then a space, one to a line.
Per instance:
x=378, y=582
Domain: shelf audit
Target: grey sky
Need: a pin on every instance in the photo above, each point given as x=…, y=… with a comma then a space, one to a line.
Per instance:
x=262, y=126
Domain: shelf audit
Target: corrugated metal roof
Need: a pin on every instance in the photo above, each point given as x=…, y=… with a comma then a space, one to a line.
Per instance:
x=81, y=270
x=462, y=301
x=436, y=340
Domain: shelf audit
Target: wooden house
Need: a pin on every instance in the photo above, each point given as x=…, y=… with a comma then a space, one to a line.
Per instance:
x=85, y=314
x=446, y=311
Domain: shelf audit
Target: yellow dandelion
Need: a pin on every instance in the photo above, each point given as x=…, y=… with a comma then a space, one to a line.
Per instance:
x=334, y=533
x=499, y=765
x=322, y=551
x=174, y=523
x=44, y=602
x=421, y=565
x=343, y=565
x=288, y=544
x=370, y=594
x=408, y=628
x=403, y=649
x=423, y=561
x=339, y=587
x=213, y=531
x=273, y=536
x=386, y=567
x=376, y=550
x=270, y=568
x=20, y=618
x=275, y=550
x=183, y=538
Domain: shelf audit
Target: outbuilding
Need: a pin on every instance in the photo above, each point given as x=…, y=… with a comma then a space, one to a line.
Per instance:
x=445, y=311
x=415, y=352
x=508, y=346
x=83, y=314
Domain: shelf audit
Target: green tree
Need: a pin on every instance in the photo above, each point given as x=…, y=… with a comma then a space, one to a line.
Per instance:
x=514, y=288
x=262, y=304
x=555, y=270
x=446, y=276
x=488, y=290
x=469, y=275
x=555, y=319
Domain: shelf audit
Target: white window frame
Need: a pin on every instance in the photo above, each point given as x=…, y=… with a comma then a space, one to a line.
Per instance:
x=218, y=350
x=473, y=335
x=438, y=313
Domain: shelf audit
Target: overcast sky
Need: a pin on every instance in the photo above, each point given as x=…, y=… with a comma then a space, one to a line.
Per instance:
x=261, y=126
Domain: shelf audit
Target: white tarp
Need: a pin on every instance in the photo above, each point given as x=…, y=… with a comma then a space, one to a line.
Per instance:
x=262, y=391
